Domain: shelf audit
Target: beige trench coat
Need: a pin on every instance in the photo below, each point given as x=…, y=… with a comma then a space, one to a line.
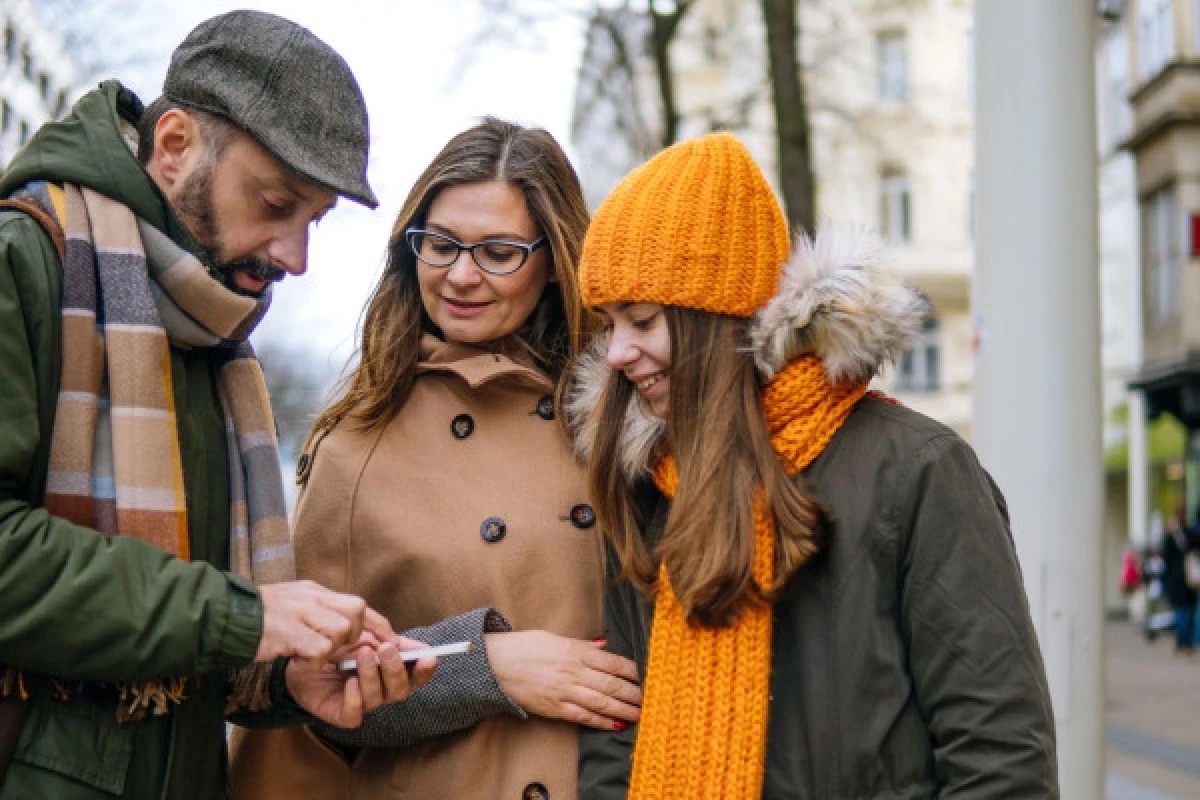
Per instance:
x=406, y=517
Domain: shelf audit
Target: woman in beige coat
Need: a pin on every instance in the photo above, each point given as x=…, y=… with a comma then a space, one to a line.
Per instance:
x=441, y=489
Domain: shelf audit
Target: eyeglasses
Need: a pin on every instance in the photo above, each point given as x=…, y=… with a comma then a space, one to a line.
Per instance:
x=494, y=256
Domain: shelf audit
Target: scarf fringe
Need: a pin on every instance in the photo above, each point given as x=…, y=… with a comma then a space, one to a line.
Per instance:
x=13, y=682
x=135, y=701
x=251, y=689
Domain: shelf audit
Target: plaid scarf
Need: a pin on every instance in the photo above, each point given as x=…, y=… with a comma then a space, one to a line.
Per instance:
x=129, y=295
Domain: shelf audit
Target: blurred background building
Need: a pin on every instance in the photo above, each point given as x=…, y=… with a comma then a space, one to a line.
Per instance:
x=1163, y=137
x=37, y=76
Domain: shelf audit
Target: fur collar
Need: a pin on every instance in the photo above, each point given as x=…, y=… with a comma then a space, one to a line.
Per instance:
x=837, y=299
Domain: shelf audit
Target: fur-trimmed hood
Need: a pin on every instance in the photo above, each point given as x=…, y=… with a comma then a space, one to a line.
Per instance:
x=837, y=299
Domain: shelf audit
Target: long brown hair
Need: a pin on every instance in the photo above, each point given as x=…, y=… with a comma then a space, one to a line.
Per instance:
x=718, y=433
x=394, y=321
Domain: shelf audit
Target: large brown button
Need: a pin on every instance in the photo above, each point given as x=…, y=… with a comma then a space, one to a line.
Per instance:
x=545, y=407
x=462, y=426
x=535, y=791
x=493, y=529
x=583, y=516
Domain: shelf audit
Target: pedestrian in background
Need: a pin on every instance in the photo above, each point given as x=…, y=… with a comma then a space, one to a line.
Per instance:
x=819, y=586
x=1177, y=543
x=146, y=585
x=441, y=485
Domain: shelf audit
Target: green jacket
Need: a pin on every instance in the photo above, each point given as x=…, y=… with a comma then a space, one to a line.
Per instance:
x=904, y=664
x=81, y=606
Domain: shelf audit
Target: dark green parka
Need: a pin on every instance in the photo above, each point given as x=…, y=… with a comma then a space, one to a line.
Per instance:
x=88, y=608
x=904, y=664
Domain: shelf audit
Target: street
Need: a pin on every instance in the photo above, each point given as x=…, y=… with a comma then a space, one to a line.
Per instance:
x=1152, y=720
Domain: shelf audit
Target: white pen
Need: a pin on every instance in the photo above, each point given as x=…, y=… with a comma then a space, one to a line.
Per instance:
x=452, y=649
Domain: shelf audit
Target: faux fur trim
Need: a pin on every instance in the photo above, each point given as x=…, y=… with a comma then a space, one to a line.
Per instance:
x=838, y=300
x=642, y=430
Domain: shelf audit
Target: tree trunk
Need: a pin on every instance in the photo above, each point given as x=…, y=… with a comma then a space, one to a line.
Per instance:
x=780, y=18
x=664, y=25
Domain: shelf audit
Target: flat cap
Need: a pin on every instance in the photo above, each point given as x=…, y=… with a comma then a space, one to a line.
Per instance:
x=285, y=87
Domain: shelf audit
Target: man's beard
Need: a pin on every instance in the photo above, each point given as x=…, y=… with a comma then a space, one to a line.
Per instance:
x=194, y=207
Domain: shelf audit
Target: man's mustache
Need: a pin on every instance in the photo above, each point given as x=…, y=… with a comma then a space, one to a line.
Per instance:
x=256, y=267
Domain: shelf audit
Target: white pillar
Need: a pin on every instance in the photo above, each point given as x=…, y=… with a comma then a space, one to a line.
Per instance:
x=1037, y=383
x=1139, y=462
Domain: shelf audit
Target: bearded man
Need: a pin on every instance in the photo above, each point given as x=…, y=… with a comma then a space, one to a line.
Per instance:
x=145, y=562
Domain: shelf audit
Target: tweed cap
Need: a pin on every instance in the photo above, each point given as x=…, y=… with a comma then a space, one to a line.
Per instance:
x=285, y=87
x=696, y=226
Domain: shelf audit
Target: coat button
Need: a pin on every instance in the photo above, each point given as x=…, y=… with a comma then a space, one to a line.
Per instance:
x=535, y=791
x=493, y=529
x=545, y=407
x=583, y=516
x=462, y=426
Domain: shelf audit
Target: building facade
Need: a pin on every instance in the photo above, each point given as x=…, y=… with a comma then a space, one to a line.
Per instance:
x=37, y=77
x=1163, y=60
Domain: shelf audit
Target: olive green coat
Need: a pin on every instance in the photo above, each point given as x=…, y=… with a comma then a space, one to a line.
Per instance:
x=81, y=606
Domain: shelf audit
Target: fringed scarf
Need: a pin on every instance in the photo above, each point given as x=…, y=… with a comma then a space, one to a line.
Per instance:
x=703, y=725
x=129, y=295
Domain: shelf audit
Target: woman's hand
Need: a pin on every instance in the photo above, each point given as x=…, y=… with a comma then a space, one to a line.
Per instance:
x=570, y=679
x=343, y=698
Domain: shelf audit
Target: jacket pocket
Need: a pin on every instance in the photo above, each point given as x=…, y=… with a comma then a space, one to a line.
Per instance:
x=70, y=750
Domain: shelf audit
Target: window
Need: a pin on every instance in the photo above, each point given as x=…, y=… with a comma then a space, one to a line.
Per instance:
x=895, y=207
x=43, y=82
x=22, y=133
x=10, y=43
x=1112, y=82
x=1156, y=35
x=26, y=63
x=920, y=368
x=5, y=116
x=891, y=54
x=1160, y=221
x=60, y=102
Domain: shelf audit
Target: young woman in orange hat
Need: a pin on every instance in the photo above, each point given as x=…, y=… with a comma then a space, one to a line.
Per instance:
x=818, y=585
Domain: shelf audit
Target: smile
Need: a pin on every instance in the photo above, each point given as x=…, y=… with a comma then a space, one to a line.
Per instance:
x=647, y=382
x=463, y=308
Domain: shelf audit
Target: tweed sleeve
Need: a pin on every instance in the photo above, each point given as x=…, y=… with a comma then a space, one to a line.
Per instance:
x=463, y=692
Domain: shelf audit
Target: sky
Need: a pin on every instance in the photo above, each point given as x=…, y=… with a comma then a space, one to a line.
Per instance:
x=408, y=57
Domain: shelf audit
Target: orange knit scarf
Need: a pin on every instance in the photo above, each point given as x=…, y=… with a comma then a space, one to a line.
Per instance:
x=703, y=727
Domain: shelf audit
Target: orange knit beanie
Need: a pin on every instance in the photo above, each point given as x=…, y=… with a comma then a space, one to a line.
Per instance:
x=696, y=226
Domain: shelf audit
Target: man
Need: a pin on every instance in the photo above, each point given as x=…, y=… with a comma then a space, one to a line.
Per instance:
x=140, y=496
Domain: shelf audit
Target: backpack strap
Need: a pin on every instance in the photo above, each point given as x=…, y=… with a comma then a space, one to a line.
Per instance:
x=48, y=223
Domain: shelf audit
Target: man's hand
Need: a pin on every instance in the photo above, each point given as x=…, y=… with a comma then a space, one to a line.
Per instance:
x=305, y=620
x=343, y=698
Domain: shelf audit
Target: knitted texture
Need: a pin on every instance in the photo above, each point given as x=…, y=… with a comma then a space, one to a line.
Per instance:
x=703, y=728
x=696, y=226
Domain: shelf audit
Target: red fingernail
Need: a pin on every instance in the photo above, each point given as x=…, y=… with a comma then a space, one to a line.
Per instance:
x=619, y=726
x=601, y=642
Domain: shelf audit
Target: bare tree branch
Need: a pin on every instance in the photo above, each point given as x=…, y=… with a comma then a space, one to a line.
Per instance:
x=104, y=37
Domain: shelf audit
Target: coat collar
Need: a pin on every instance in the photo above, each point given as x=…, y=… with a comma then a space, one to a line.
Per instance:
x=478, y=366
